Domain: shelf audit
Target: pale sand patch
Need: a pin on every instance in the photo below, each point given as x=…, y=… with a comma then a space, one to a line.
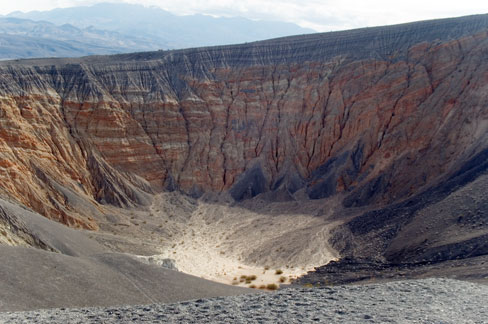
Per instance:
x=222, y=243
x=7, y=237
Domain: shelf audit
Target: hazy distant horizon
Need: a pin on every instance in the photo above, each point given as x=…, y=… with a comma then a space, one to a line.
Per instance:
x=115, y=28
x=319, y=15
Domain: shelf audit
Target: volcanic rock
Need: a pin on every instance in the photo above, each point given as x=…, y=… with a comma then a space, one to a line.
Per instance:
x=391, y=119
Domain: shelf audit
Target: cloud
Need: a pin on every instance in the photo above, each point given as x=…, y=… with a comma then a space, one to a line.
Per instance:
x=321, y=15
x=324, y=15
x=313, y=14
x=41, y=5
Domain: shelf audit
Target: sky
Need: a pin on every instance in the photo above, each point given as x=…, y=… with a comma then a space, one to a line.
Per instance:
x=320, y=15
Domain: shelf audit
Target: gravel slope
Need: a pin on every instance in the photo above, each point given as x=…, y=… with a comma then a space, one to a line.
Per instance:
x=35, y=279
x=416, y=301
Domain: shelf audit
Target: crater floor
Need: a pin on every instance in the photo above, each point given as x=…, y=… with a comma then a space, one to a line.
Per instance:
x=221, y=242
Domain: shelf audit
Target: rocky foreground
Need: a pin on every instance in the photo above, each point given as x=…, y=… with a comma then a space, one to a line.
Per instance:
x=416, y=301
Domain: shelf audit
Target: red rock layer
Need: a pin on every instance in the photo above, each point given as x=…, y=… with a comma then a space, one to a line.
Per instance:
x=35, y=147
x=299, y=116
x=413, y=120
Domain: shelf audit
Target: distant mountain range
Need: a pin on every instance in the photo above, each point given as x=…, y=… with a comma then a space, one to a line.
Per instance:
x=108, y=28
x=23, y=38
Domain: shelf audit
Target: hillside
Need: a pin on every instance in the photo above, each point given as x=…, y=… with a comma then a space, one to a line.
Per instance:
x=368, y=143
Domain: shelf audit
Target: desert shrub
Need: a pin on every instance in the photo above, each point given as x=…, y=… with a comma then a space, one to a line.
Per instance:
x=282, y=279
x=253, y=286
x=248, y=279
x=278, y=271
x=272, y=286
